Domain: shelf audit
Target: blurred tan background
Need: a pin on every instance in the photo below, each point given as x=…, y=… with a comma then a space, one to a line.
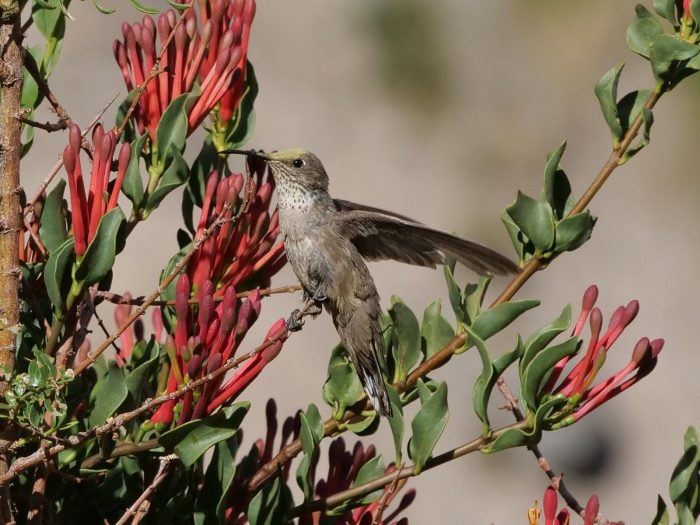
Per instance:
x=441, y=111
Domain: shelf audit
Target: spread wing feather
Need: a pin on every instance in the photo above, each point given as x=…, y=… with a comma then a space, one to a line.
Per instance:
x=379, y=235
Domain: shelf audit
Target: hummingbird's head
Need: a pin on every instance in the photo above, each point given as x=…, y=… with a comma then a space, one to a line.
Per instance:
x=297, y=167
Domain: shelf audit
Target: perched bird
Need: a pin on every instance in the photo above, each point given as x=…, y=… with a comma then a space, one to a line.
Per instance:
x=326, y=241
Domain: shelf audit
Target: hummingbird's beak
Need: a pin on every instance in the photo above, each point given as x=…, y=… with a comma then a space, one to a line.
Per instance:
x=247, y=152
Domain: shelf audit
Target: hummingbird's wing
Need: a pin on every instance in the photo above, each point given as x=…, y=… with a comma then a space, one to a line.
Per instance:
x=378, y=235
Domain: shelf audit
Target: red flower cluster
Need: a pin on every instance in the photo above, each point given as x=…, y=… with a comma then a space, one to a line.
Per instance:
x=212, y=52
x=204, y=340
x=343, y=468
x=245, y=246
x=88, y=209
x=549, y=504
x=577, y=384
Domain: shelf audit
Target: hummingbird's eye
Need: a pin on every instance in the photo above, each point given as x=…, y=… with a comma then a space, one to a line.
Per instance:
x=297, y=163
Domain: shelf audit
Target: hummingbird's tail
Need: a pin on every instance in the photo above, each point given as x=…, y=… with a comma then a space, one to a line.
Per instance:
x=368, y=366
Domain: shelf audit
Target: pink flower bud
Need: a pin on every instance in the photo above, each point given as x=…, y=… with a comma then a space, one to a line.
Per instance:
x=591, y=512
x=194, y=365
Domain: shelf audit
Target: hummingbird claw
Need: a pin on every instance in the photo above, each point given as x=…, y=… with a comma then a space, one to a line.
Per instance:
x=295, y=322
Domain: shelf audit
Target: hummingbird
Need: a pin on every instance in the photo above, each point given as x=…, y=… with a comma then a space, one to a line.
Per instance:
x=327, y=241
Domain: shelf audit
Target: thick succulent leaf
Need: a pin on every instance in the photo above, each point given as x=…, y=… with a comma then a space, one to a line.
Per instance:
x=57, y=274
x=406, y=347
x=606, y=92
x=427, y=426
x=435, y=330
x=53, y=219
x=191, y=440
x=271, y=504
x=109, y=240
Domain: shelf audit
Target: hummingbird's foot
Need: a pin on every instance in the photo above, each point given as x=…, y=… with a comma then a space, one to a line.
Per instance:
x=295, y=321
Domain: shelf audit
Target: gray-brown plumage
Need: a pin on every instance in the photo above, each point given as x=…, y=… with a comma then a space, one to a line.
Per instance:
x=326, y=241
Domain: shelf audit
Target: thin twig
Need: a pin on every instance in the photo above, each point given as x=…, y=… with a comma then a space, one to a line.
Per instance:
x=47, y=126
x=33, y=70
x=120, y=299
x=557, y=481
x=141, y=505
x=56, y=167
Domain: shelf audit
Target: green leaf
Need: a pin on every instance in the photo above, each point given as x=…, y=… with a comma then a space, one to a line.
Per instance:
x=370, y=471
x=684, y=480
x=109, y=393
x=427, y=426
x=244, y=118
x=486, y=381
x=406, y=347
x=99, y=257
x=557, y=189
x=31, y=94
x=606, y=92
x=643, y=31
x=270, y=506
x=211, y=503
x=191, y=440
x=435, y=330
x=511, y=438
x=311, y=433
x=132, y=185
x=540, y=368
x=630, y=107
x=140, y=7
x=396, y=423
x=545, y=335
x=365, y=425
x=518, y=437
x=174, y=176
x=453, y=291
x=497, y=318
x=171, y=132
x=668, y=50
x=474, y=298
x=49, y=19
x=666, y=9
x=662, y=517
x=573, y=232
x=53, y=219
x=523, y=246
x=535, y=219
x=342, y=388
x=57, y=275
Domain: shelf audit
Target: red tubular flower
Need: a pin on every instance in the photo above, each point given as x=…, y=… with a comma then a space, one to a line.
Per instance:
x=212, y=52
x=204, y=339
x=244, y=247
x=576, y=386
x=88, y=209
x=344, y=466
x=551, y=517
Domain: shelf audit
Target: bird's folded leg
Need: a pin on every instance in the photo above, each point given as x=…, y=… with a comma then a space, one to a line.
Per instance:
x=311, y=307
